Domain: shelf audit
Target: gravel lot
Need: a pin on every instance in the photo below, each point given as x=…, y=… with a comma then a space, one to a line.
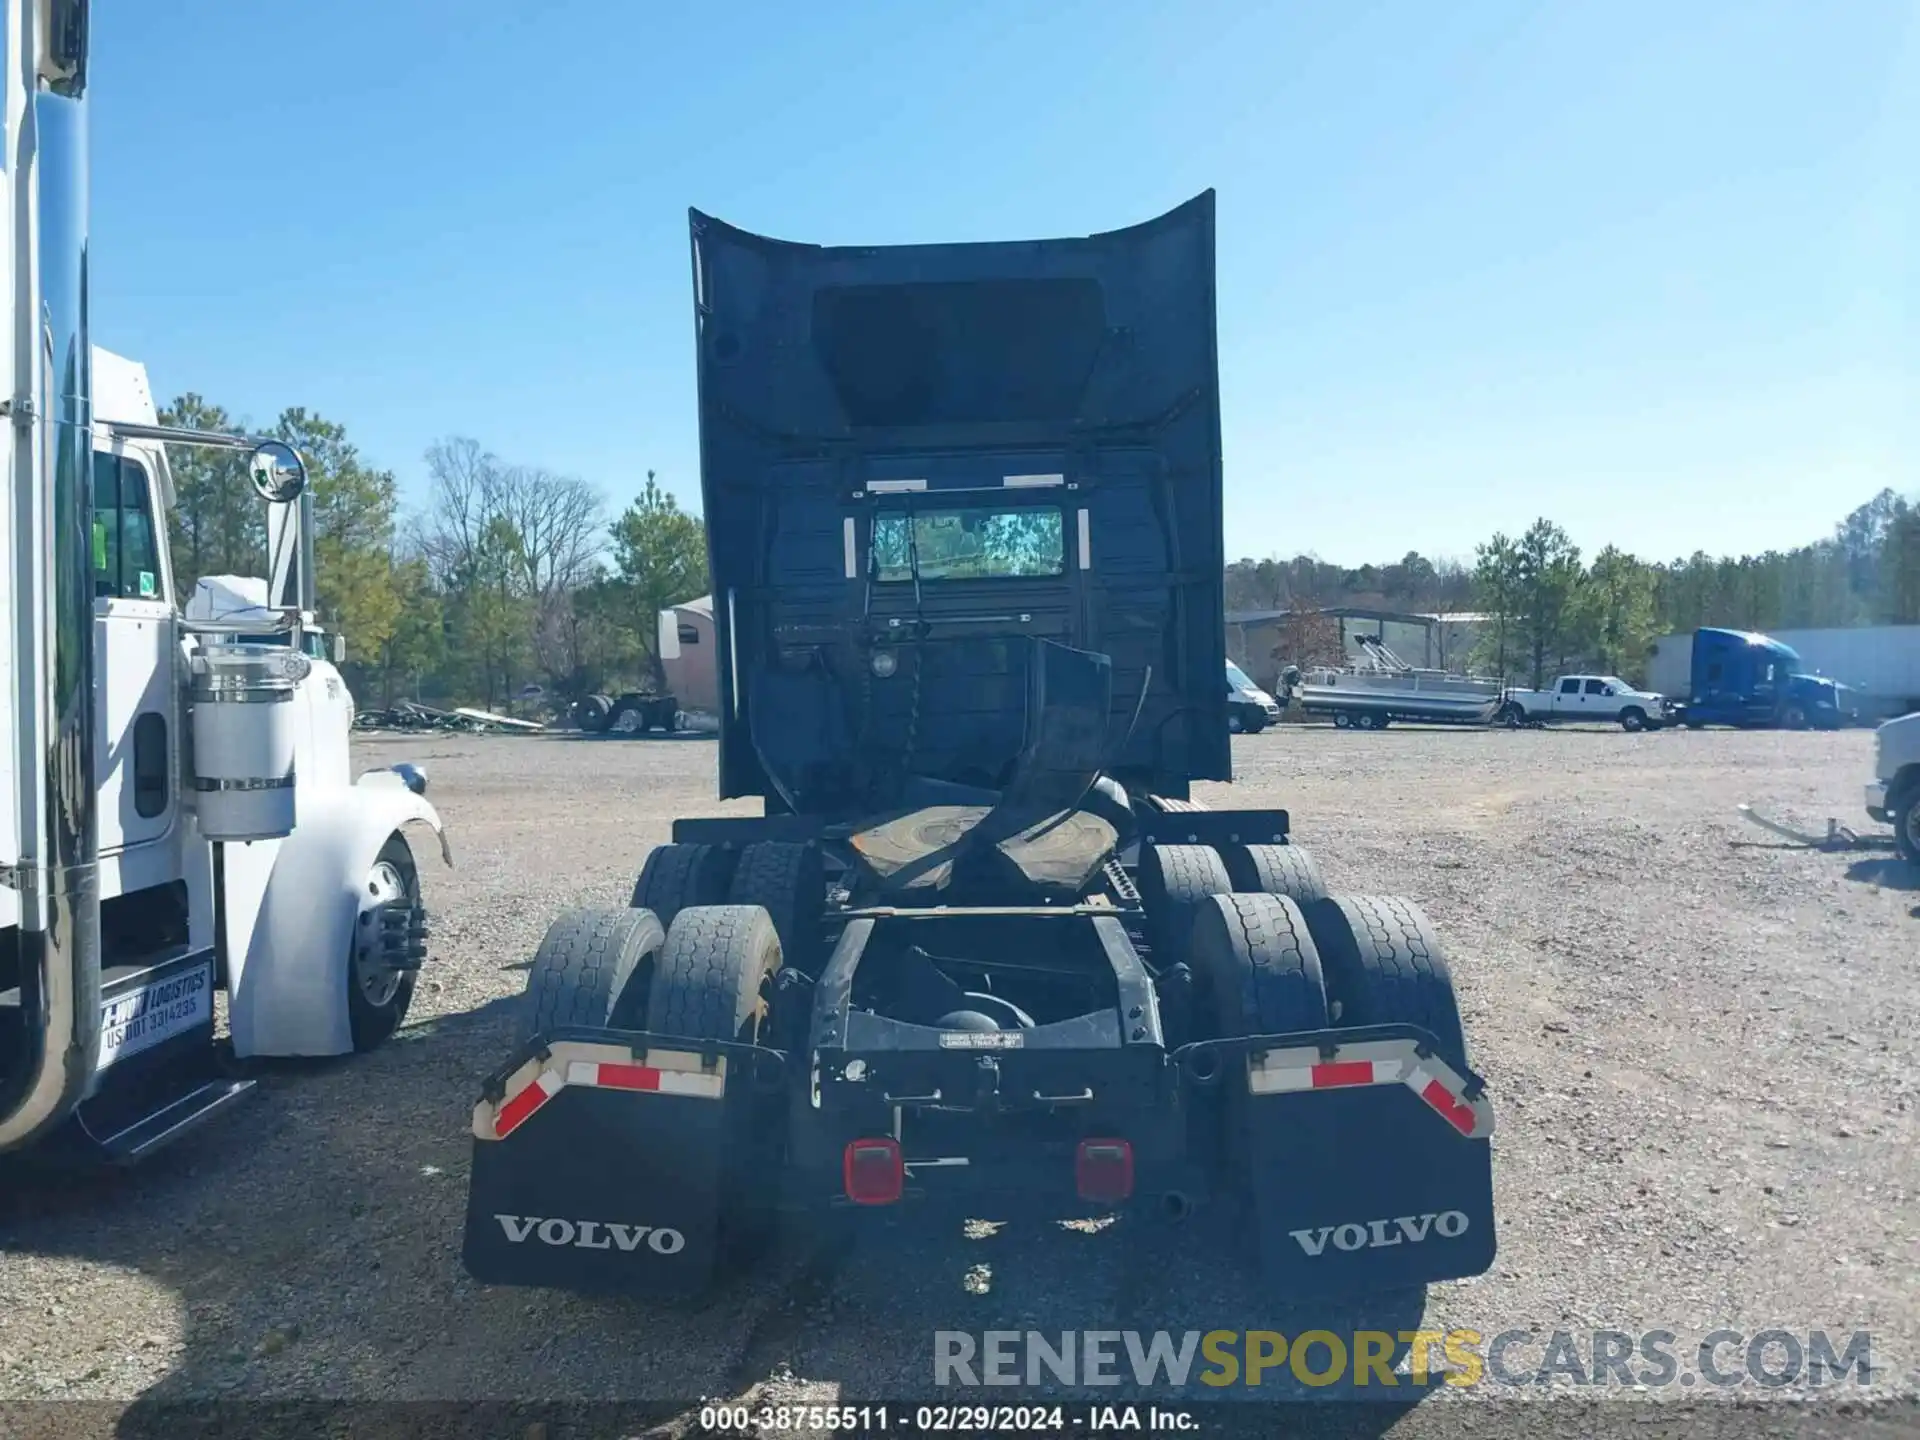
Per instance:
x=1702, y=1047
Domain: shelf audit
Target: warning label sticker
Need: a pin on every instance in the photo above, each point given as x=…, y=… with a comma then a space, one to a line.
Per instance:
x=143, y=1018
x=982, y=1040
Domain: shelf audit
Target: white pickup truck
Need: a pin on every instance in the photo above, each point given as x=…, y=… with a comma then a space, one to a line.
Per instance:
x=1585, y=697
x=1893, y=796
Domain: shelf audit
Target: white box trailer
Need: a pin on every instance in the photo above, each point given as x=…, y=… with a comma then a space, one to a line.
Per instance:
x=1880, y=663
x=1670, y=667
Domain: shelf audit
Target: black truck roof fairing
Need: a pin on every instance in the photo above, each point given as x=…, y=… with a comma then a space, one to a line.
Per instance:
x=837, y=385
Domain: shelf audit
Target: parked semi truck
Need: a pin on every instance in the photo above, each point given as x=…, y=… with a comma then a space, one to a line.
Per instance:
x=982, y=949
x=177, y=815
x=1739, y=678
x=1875, y=669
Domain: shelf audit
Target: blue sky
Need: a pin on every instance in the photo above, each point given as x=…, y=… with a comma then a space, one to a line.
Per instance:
x=1647, y=268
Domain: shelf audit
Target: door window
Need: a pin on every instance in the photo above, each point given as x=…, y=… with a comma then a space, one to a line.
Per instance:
x=1569, y=687
x=1596, y=687
x=126, y=551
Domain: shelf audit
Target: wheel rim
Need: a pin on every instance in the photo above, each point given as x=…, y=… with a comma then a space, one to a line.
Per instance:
x=1234, y=725
x=378, y=982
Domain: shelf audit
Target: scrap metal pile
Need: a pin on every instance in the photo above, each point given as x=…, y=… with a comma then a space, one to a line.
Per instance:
x=410, y=715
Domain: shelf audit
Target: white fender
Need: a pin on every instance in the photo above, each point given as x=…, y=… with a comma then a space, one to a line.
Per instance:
x=289, y=995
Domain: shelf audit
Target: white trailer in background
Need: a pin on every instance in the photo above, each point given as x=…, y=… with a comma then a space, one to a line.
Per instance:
x=177, y=812
x=1880, y=664
x=1670, y=666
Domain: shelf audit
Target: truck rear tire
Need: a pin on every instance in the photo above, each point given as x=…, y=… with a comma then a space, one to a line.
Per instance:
x=714, y=981
x=1384, y=966
x=711, y=981
x=676, y=876
x=789, y=882
x=1342, y=720
x=1174, y=881
x=1255, y=958
x=1275, y=870
x=592, y=970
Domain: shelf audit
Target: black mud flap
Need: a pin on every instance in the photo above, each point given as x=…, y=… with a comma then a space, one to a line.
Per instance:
x=1362, y=1184
x=609, y=1188
x=1367, y=1189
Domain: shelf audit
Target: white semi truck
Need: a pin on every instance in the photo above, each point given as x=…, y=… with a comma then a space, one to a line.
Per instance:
x=178, y=817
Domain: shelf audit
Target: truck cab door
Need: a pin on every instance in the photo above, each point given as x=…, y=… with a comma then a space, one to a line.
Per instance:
x=1594, y=697
x=1710, y=685
x=1767, y=689
x=134, y=742
x=1566, y=697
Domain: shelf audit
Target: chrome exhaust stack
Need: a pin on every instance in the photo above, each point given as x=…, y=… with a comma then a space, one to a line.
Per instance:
x=51, y=413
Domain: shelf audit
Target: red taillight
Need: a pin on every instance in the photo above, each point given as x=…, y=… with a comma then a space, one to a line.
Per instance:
x=1103, y=1170
x=873, y=1171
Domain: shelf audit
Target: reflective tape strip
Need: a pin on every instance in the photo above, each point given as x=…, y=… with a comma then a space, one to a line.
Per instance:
x=1333, y=1074
x=674, y=1072
x=1343, y=1072
x=605, y=1076
x=513, y=1113
x=1451, y=1108
x=1273, y=1080
x=1394, y=1062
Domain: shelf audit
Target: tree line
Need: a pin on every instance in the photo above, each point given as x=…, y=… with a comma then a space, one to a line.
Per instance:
x=1547, y=608
x=510, y=577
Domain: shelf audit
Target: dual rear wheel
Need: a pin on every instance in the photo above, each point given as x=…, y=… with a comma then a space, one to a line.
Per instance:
x=707, y=976
x=694, y=952
x=1272, y=951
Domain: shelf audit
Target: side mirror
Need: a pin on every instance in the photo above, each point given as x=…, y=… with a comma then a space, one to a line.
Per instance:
x=277, y=471
x=339, y=649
